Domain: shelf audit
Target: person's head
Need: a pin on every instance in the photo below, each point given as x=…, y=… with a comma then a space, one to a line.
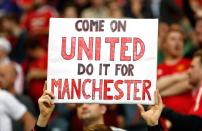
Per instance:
x=5, y=47
x=195, y=70
x=91, y=114
x=9, y=22
x=115, y=11
x=70, y=11
x=97, y=3
x=173, y=43
x=136, y=7
x=8, y=76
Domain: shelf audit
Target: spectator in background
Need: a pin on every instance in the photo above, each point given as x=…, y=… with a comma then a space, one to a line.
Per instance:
x=11, y=27
x=196, y=38
x=81, y=5
x=36, y=21
x=5, y=49
x=69, y=11
x=35, y=68
x=97, y=10
x=115, y=11
x=172, y=77
x=12, y=108
x=8, y=75
x=193, y=120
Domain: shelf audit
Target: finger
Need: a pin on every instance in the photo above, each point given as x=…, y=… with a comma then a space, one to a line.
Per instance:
x=141, y=108
x=45, y=102
x=45, y=86
x=160, y=102
x=156, y=97
x=48, y=98
x=49, y=94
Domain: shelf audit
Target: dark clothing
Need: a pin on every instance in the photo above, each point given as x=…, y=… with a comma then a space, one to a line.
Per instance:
x=182, y=122
x=153, y=128
x=37, y=128
x=18, y=54
x=170, y=12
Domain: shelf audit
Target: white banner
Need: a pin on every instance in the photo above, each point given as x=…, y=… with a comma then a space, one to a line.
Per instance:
x=102, y=60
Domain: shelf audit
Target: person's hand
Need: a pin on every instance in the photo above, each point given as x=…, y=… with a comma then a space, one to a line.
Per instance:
x=152, y=115
x=46, y=107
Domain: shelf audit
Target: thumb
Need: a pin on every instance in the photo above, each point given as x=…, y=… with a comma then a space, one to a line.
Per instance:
x=141, y=108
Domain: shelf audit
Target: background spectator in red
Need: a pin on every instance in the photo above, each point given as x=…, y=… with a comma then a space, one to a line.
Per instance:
x=36, y=21
x=35, y=68
x=172, y=77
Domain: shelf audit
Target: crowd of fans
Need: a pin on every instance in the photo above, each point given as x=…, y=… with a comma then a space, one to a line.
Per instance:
x=24, y=27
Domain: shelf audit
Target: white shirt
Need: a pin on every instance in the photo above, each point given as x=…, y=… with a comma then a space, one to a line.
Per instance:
x=116, y=129
x=9, y=108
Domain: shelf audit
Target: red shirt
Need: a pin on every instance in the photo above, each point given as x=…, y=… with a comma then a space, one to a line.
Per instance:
x=35, y=86
x=179, y=103
x=196, y=109
x=37, y=21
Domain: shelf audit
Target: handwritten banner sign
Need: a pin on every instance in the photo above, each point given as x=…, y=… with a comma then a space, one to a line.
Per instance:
x=102, y=60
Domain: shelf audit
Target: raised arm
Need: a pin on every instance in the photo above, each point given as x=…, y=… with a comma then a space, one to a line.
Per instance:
x=152, y=115
x=46, y=107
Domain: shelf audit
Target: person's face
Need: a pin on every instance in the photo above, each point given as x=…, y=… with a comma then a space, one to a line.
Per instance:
x=195, y=71
x=70, y=12
x=90, y=112
x=174, y=44
x=7, y=25
x=97, y=3
x=7, y=76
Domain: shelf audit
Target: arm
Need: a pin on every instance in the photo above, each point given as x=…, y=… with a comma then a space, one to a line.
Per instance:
x=154, y=128
x=46, y=107
x=152, y=115
x=21, y=113
x=28, y=121
x=177, y=88
x=190, y=122
x=36, y=74
x=168, y=81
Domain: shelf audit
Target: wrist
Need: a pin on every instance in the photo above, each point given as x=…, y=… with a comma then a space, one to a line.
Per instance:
x=152, y=123
x=42, y=120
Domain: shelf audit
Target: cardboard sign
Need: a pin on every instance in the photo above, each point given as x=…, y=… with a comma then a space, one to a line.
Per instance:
x=102, y=60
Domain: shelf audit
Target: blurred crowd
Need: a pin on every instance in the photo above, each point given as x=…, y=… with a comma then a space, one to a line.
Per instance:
x=24, y=27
